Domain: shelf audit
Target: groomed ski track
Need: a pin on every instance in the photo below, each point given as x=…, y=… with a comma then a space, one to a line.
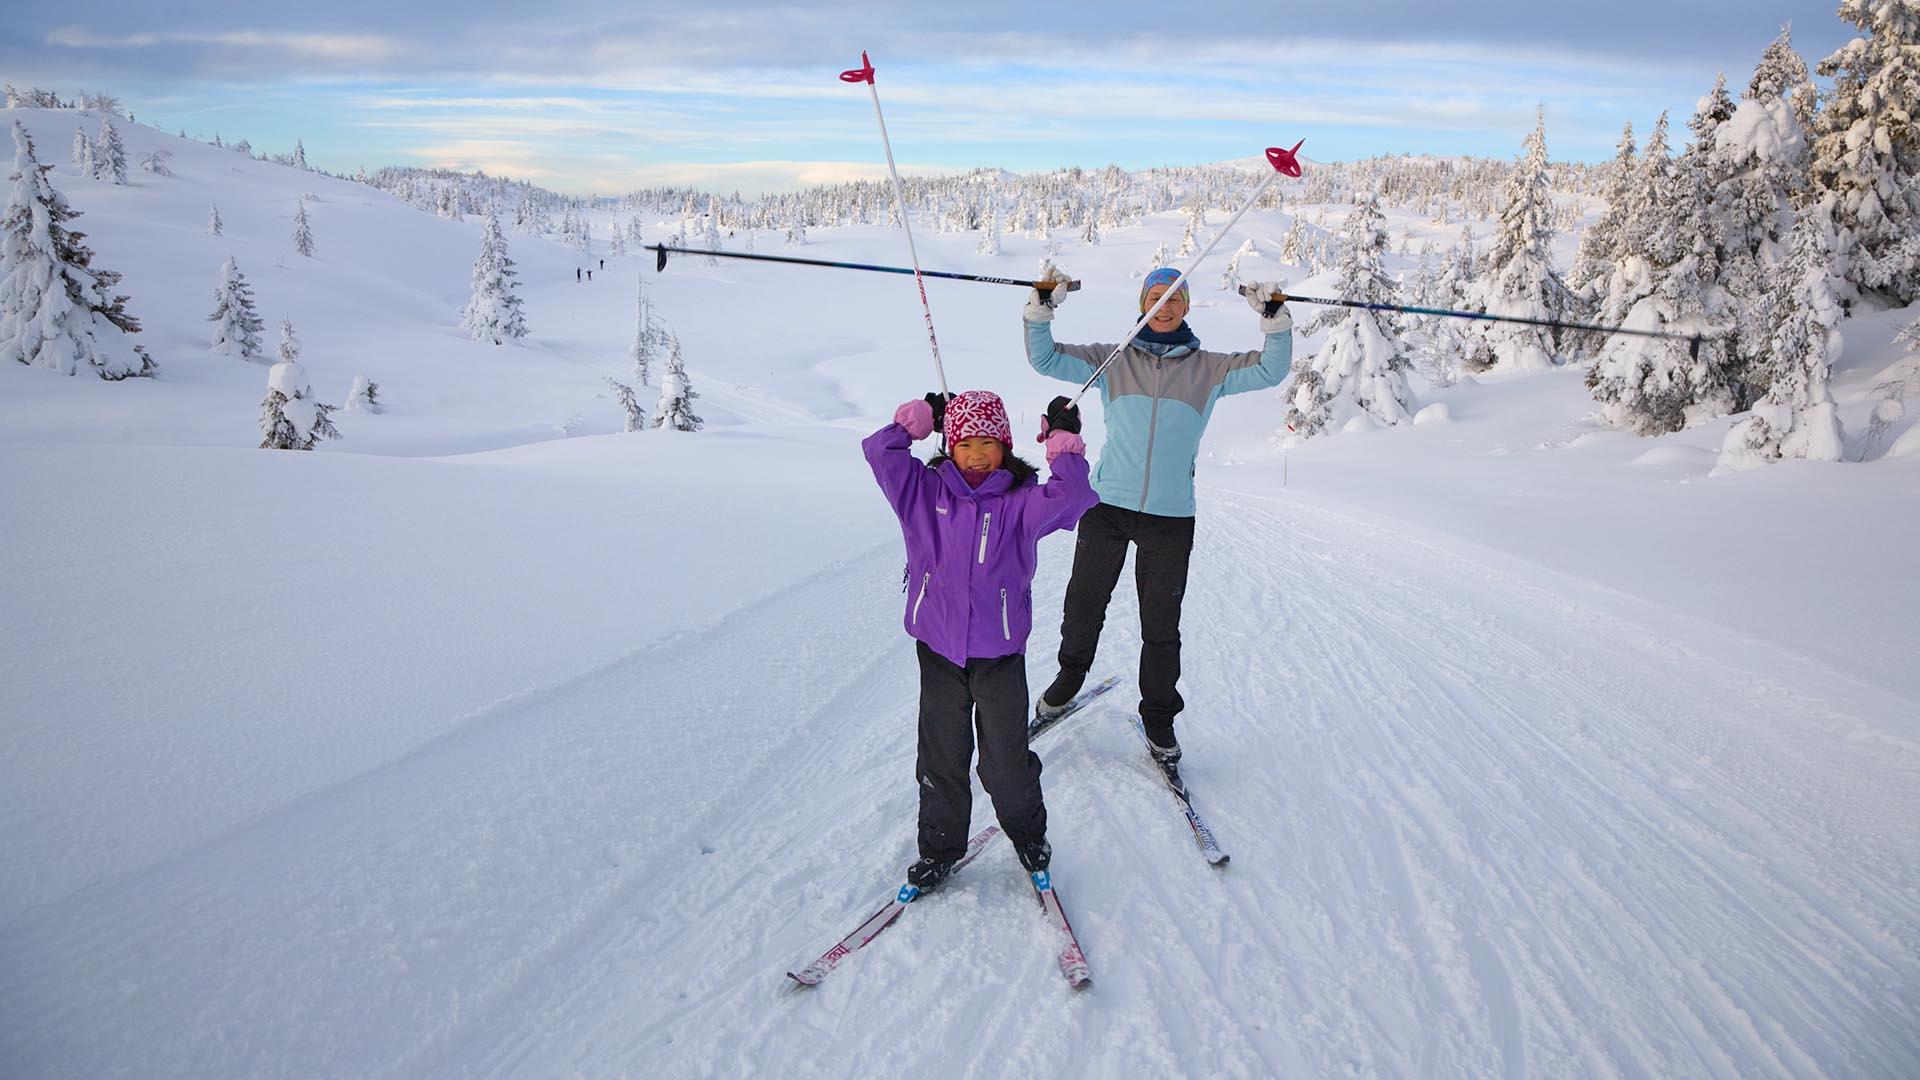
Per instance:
x=1486, y=820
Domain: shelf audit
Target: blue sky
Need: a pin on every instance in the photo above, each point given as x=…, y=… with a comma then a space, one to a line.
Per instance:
x=606, y=97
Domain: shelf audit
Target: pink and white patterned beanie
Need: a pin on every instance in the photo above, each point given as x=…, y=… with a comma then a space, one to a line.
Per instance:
x=978, y=413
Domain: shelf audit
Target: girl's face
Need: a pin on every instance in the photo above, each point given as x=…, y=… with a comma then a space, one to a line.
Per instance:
x=1170, y=313
x=978, y=454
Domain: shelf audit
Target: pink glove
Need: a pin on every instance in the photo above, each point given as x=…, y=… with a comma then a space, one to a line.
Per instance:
x=1064, y=442
x=917, y=417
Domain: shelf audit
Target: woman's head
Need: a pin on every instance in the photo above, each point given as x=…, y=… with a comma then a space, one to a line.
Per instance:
x=1174, y=311
x=978, y=433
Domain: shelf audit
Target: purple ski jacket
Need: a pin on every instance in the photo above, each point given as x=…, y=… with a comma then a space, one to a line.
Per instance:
x=971, y=553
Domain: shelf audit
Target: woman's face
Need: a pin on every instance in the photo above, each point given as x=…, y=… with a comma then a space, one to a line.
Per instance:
x=1170, y=313
x=978, y=454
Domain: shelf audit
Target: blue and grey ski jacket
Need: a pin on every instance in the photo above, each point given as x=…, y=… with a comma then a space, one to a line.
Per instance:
x=1156, y=409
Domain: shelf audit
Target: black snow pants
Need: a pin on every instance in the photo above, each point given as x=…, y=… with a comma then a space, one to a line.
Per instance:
x=1165, y=546
x=992, y=696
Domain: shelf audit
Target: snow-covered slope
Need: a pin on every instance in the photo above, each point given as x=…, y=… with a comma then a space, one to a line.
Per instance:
x=464, y=748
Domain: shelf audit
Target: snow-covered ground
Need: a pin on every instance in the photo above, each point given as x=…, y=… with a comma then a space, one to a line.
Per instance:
x=463, y=747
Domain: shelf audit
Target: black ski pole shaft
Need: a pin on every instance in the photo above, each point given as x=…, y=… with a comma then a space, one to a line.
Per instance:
x=662, y=251
x=1274, y=305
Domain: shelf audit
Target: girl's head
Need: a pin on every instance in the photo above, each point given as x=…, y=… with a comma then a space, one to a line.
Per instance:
x=1174, y=311
x=978, y=433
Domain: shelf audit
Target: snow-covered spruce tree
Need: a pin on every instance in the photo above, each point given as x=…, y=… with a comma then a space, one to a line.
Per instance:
x=1797, y=418
x=1230, y=278
x=236, y=324
x=1158, y=259
x=675, y=411
x=1361, y=368
x=990, y=230
x=493, y=311
x=290, y=418
x=302, y=231
x=243, y=147
x=299, y=154
x=1090, y=226
x=1519, y=279
x=1654, y=385
x=155, y=162
x=1196, y=225
x=1866, y=157
x=616, y=240
x=56, y=310
x=633, y=233
x=646, y=336
x=109, y=154
x=1756, y=165
x=796, y=231
x=636, y=416
x=82, y=153
x=215, y=226
x=1438, y=343
x=365, y=395
x=1600, y=245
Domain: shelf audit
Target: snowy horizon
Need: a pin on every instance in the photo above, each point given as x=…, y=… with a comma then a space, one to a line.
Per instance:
x=746, y=98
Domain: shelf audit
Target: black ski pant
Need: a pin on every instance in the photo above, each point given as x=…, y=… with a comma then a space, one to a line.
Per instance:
x=1164, y=547
x=990, y=695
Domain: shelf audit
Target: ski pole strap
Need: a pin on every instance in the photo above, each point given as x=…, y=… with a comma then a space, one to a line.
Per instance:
x=663, y=250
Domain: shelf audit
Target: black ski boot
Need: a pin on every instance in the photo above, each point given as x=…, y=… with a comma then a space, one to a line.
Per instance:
x=927, y=874
x=1058, y=695
x=1034, y=854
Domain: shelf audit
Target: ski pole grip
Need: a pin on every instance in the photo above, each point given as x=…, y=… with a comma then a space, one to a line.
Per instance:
x=1273, y=303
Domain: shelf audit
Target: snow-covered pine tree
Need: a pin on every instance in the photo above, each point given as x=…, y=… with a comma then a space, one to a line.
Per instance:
x=1230, y=277
x=1437, y=343
x=82, y=152
x=675, y=411
x=299, y=154
x=710, y=231
x=290, y=418
x=616, y=240
x=796, y=231
x=1196, y=224
x=1657, y=385
x=1600, y=245
x=1361, y=368
x=1798, y=417
x=1090, y=226
x=1519, y=279
x=215, y=227
x=109, y=154
x=365, y=395
x=990, y=229
x=1866, y=157
x=302, y=231
x=236, y=324
x=633, y=233
x=646, y=336
x=636, y=416
x=56, y=310
x=243, y=147
x=493, y=311
x=1757, y=173
x=1158, y=259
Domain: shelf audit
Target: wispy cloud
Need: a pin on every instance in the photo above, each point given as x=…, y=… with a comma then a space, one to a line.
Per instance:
x=371, y=49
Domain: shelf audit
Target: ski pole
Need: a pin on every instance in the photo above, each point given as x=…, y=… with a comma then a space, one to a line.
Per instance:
x=1283, y=161
x=864, y=73
x=1274, y=306
x=1044, y=286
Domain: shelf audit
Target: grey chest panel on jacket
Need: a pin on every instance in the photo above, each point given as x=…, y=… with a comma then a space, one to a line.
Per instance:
x=1190, y=378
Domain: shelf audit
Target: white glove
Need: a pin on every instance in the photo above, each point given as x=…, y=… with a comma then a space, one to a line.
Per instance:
x=1037, y=311
x=1040, y=306
x=1258, y=294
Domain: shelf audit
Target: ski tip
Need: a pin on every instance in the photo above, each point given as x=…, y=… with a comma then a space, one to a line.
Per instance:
x=1219, y=858
x=802, y=982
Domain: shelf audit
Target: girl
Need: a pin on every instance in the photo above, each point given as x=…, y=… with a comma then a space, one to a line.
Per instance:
x=972, y=522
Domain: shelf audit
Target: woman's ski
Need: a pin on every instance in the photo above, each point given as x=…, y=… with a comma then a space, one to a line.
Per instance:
x=1073, y=962
x=1202, y=835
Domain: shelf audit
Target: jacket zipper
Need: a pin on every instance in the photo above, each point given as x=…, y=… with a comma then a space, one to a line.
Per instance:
x=1006, y=630
x=1153, y=428
x=922, y=596
x=986, y=519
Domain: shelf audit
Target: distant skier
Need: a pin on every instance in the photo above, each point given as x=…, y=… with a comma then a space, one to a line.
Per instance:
x=589, y=275
x=972, y=523
x=576, y=275
x=603, y=264
x=1157, y=397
